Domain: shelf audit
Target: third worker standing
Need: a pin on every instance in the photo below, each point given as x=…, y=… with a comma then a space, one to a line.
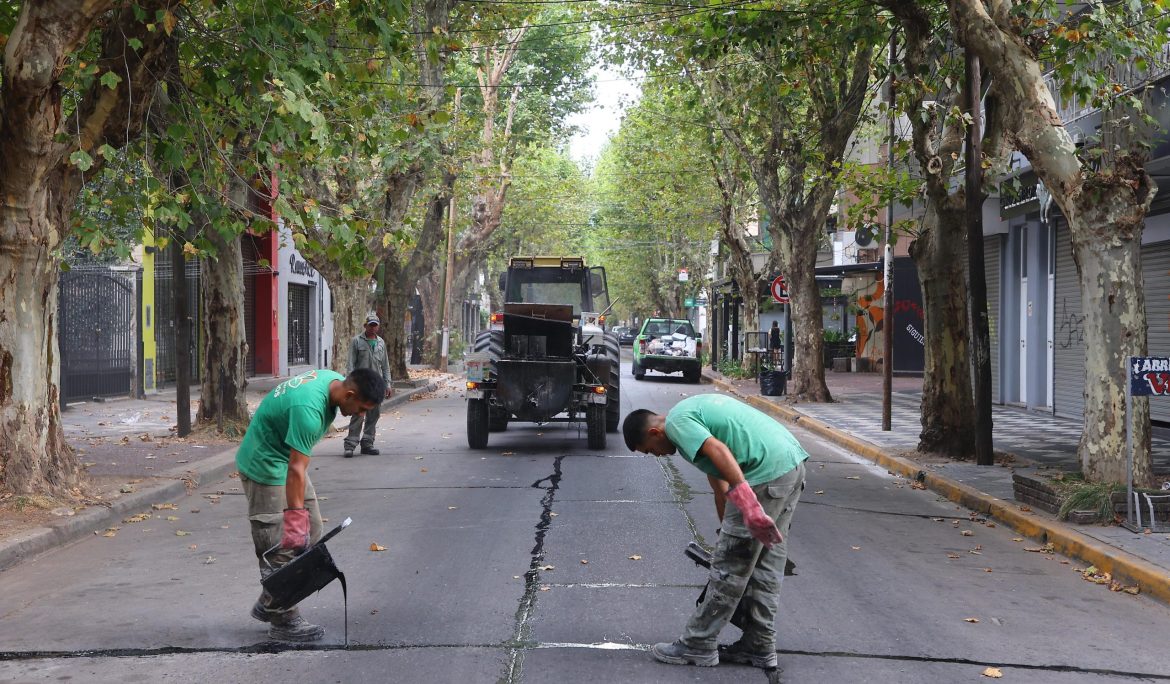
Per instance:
x=368, y=350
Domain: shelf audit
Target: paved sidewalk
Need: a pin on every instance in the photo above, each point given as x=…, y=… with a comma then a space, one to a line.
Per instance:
x=133, y=459
x=1035, y=442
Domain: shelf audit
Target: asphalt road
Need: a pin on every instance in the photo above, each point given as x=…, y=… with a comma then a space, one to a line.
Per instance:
x=537, y=560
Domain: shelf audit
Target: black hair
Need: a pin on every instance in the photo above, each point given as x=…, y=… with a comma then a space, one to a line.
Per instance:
x=634, y=427
x=370, y=384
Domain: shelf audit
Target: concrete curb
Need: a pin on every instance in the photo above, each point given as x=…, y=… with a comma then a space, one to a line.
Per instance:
x=172, y=486
x=96, y=518
x=1124, y=566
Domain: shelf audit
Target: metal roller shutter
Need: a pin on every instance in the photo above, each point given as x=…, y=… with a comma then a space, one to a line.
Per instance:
x=1068, y=367
x=1156, y=279
x=992, y=248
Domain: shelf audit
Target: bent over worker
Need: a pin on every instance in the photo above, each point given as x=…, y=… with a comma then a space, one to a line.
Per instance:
x=273, y=460
x=758, y=465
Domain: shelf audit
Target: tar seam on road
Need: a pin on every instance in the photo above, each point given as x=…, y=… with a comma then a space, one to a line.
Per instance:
x=275, y=648
x=683, y=495
x=926, y=516
x=520, y=638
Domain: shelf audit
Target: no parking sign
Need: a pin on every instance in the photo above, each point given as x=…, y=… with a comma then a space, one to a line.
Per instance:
x=780, y=290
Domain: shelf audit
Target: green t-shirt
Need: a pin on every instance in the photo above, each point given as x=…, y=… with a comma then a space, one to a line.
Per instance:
x=294, y=415
x=764, y=448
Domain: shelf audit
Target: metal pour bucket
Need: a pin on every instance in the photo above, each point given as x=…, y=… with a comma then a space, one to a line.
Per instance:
x=306, y=574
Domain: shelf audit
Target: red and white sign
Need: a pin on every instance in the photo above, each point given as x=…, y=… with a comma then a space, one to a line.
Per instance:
x=683, y=276
x=779, y=290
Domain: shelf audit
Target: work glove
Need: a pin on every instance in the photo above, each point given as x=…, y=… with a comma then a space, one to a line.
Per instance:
x=758, y=523
x=296, y=529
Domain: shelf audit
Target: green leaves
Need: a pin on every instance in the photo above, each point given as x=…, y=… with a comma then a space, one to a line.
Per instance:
x=110, y=80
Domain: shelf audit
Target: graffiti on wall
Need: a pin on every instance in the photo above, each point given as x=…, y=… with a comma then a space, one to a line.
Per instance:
x=1072, y=327
x=869, y=319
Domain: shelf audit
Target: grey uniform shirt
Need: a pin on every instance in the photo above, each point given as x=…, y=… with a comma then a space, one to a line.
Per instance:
x=363, y=354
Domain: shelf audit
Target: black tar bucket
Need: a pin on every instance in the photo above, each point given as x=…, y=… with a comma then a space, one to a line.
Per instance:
x=306, y=574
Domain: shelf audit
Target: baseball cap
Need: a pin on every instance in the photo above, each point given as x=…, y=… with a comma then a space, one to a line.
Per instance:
x=373, y=319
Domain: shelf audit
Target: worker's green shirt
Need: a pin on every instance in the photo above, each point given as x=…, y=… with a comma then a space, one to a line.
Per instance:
x=763, y=448
x=294, y=415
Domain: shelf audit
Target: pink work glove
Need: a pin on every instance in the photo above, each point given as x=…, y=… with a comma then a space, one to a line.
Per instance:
x=757, y=521
x=296, y=529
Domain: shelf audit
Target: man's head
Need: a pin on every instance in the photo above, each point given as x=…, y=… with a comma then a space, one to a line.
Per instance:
x=372, y=324
x=645, y=431
x=362, y=390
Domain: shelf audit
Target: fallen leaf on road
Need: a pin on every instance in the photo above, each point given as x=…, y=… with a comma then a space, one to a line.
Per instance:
x=546, y=568
x=635, y=557
x=422, y=470
x=224, y=527
x=988, y=570
x=553, y=514
x=544, y=588
x=990, y=524
x=418, y=458
x=1026, y=509
x=1017, y=539
x=452, y=508
x=917, y=485
x=971, y=620
x=953, y=555
x=855, y=548
x=193, y=547
x=992, y=672
x=110, y=532
x=819, y=491
x=194, y=510
x=374, y=546
x=584, y=562
x=506, y=453
x=937, y=519
x=181, y=533
x=172, y=518
x=136, y=518
x=853, y=477
x=967, y=533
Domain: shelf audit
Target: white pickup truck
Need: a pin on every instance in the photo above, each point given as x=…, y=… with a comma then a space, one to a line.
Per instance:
x=668, y=345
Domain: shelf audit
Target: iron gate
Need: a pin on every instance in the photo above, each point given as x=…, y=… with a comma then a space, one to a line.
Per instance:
x=96, y=332
x=299, y=297
x=164, y=327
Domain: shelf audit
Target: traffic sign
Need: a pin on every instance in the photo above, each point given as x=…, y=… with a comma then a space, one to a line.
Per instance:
x=780, y=290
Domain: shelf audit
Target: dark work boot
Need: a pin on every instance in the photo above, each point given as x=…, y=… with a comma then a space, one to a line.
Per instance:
x=737, y=653
x=679, y=653
x=290, y=626
x=370, y=451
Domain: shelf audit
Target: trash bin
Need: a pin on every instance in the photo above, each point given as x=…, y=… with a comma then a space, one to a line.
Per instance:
x=773, y=383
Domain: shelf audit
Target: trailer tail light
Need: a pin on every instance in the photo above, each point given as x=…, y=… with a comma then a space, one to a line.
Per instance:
x=496, y=321
x=472, y=385
x=601, y=319
x=600, y=389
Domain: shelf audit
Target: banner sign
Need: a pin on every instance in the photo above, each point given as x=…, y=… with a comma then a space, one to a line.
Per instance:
x=1149, y=376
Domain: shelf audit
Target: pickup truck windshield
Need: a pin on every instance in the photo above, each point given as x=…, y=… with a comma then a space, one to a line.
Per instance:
x=669, y=327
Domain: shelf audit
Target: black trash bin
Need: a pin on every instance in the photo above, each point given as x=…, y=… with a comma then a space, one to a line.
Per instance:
x=773, y=383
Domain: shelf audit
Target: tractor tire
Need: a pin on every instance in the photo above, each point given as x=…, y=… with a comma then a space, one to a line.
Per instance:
x=595, y=424
x=492, y=342
x=477, y=423
x=613, y=404
x=497, y=418
x=694, y=375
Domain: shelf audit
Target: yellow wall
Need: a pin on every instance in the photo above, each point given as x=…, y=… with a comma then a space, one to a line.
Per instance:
x=148, y=313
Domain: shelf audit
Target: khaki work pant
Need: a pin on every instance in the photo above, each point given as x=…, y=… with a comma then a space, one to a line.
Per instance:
x=744, y=572
x=266, y=504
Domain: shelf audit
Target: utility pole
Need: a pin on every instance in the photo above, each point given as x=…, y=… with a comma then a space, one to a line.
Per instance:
x=887, y=264
x=448, y=277
x=977, y=285
x=182, y=335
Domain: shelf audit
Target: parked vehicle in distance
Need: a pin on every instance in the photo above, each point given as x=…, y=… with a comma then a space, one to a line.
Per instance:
x=668, y=345
x=625, y=335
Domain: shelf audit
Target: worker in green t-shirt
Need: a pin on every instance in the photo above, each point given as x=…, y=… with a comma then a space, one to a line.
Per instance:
x=273, y=461
x=758, y=465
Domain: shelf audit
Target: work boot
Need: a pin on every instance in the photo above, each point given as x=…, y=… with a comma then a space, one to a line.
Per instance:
x=370, y=451
x=349, y=453
x=291, y=626
x=738, y=653
x=679, y=653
